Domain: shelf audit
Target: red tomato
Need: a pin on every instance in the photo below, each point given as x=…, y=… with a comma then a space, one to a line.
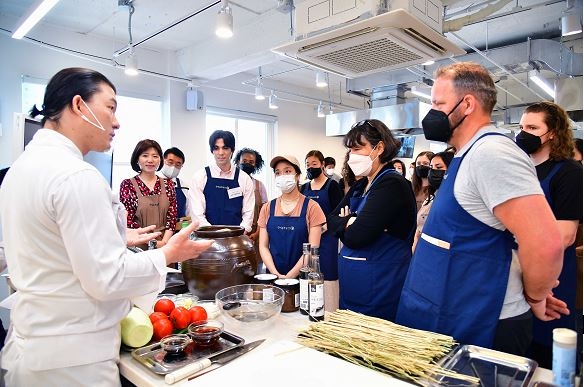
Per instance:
x=157, y=316
x=164, y=305
x=162, y=328
x=180, y=318
x=198, y=313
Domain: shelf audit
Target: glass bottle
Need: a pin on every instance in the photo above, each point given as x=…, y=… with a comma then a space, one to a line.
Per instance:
x=303, y=277
x=315, y=289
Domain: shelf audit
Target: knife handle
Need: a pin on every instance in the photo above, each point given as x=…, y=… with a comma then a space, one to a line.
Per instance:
x=186, y=371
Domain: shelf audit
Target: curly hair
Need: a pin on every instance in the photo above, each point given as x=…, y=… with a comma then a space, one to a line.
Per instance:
x=558, y=123
x=259, y=164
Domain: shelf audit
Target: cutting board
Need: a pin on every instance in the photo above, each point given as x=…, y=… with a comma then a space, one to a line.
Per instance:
x=289, y=364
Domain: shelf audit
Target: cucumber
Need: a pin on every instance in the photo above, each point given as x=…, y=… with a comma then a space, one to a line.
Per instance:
x=136, y=328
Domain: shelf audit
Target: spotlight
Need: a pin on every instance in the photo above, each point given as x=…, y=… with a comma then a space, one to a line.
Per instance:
x=273, y=101
x=535, y=76
x=259, y=93
x=131, y=68
x=320, y=110
x=224, y=28
x=321, y=79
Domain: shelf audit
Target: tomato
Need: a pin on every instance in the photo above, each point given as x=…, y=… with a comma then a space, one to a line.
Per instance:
x=157, y=316
x=164, y=305
x=198, y=313
x=162, y=328
x=180, y=318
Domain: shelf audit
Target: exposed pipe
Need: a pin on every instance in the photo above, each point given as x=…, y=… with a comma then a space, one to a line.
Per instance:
x=457, y=24
x=163, y=29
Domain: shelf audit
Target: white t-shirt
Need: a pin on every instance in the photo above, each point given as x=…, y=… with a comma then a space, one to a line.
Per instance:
x=493, y=171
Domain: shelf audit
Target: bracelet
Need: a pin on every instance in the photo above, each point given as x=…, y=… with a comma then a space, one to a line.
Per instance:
x=531, y=300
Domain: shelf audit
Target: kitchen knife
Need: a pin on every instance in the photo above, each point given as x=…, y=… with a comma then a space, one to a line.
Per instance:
x=219, y=359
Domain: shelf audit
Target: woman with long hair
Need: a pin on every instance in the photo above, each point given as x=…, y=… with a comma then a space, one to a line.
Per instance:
x=420, y=183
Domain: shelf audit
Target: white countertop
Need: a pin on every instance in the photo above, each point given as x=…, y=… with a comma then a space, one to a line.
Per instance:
x=277, y=361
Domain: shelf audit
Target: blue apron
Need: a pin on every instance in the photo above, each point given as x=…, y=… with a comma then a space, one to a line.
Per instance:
x=329, y=245
x=566, y=290
x=219, y=209
x=456, y=284
x=287, y=234
x=181, y=200
x=371, y=277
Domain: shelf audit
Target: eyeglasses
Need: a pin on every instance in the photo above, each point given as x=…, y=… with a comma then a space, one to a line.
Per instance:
x=364, y=122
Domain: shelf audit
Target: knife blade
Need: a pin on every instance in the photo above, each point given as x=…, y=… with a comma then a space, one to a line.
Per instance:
x=220, y=360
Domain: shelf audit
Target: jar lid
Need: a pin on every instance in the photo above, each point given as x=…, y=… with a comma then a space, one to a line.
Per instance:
x=564, y=336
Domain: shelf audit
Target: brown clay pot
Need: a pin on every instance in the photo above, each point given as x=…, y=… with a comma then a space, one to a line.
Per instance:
x=231, y=260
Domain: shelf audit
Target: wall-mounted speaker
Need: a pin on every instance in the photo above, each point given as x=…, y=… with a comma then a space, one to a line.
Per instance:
x=195, y=100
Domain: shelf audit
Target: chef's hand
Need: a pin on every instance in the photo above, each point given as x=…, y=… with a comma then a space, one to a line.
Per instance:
x=180, y=248
x=139, y=236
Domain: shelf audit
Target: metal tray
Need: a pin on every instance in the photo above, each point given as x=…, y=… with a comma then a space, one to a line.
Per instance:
x=493, y=368
x=155, y=359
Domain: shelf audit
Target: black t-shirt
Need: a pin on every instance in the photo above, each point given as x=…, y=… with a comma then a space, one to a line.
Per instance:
x=390, y=208
x=334, y=192
x=565, y=188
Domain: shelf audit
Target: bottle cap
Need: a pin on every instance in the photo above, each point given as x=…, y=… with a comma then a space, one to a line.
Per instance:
x=564, y=336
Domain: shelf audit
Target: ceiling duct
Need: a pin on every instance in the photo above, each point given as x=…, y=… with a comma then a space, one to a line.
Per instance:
x=353, y=40
x=401, y=119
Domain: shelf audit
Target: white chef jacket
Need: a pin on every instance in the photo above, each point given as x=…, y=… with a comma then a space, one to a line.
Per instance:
x=67, y=257
x=197, y=197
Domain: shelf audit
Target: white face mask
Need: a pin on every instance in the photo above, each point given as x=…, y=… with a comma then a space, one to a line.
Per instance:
x=286, y=183
x=361, y=164
x=329, y=171
x=170, y=171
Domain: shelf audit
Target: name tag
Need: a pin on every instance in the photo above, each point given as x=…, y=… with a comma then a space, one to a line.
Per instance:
x=234, y=192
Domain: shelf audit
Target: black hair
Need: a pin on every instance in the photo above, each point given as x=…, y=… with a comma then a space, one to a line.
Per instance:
x=316, y=153
x=227, y=137
x=259, y=164
x=175, y=151
x=140, y=148
x=65, y=85
x=578, y=144
x=403, y=165
x=330, y=160
x=374, y=131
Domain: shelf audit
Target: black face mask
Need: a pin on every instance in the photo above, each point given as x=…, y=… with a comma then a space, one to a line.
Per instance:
x=530, y=143
x=313, y=173
x=435, y=177
x=422, y=171
x=247, y=168
x=436, y=125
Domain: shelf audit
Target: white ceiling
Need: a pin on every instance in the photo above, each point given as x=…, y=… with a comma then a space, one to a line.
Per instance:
x=104, y=19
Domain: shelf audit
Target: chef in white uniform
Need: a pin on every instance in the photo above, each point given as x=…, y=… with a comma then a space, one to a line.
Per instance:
x=66, y=247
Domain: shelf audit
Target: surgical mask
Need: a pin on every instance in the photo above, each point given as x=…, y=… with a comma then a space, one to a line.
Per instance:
x=313, y=173
x=329, y=171
x=530, y=143
x=360, y=164
x=286, y=183
x=170, y=171
x=422, y=171
x=435, y=177
x=247, y=168
x=83, y=117
x=436, y=125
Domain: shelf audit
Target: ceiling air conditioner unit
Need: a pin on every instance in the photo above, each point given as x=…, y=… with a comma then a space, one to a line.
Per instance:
x=392, y=40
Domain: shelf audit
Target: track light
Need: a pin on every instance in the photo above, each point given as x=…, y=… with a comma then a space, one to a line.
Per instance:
x=320, y=110
x=535, y=76
x=224, y=28
x=330, y=109
x=419, y=93
x=321, y=79
x=259, y=92
x=273, y=101
x=39, y=11
x=131, y=67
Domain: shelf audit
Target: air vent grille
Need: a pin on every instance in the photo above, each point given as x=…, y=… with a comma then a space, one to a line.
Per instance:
x=370, y=56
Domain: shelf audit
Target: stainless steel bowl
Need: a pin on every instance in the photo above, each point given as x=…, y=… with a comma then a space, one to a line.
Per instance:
x=250, y=302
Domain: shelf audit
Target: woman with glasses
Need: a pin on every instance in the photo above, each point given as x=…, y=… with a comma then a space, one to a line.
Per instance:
x=375, y=221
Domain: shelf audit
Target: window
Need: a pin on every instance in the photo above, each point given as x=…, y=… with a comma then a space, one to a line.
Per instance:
x=139, y=118
x=255, y=131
